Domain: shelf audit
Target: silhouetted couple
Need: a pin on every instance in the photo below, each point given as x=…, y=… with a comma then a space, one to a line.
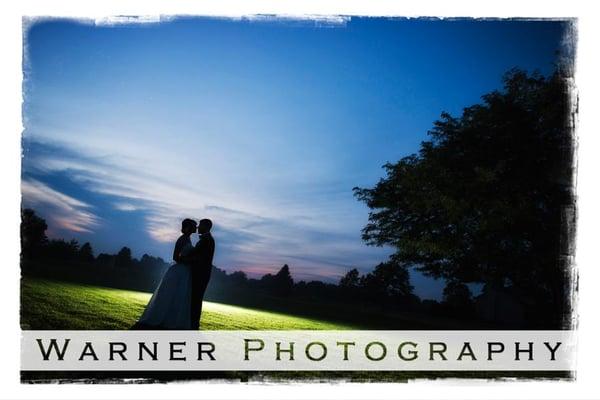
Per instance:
x=177, y=301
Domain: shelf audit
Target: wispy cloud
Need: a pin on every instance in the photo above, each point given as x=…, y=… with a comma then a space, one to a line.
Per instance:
x=125, y=207
x=248, y=240
x=65, y=212
x=114, y=176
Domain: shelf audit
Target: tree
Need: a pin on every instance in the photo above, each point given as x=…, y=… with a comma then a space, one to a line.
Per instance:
x=86, y=253
x=33, y=233
x=123, y=258
x=351, y=280
x=62, y=253
x=279, y=284
x=238, y=278
x=388, y=281
x=457, y=296
x=485, y=198
x=283, y=281
x=105, y=260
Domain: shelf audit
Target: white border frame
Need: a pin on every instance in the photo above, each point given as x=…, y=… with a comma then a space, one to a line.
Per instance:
x=586, y=385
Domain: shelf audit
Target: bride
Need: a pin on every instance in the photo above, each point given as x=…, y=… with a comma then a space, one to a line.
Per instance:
x=169, y=306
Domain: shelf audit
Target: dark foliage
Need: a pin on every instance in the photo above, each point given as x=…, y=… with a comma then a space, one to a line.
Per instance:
x=123, y=258
x=86, y=253
x=387, y=288
x=488, y=198
x=458, y=299
x=280, y=284
x=33, y=234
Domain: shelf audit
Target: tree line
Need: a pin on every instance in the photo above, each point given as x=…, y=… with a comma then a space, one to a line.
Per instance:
x=386, y=289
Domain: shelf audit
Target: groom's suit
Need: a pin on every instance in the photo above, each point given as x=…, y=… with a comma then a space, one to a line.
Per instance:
x=200, y=260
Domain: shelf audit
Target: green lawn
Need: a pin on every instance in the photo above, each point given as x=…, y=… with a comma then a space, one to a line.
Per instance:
x=59, y=305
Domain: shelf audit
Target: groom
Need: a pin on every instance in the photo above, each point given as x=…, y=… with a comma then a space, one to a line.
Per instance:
x=200, y=259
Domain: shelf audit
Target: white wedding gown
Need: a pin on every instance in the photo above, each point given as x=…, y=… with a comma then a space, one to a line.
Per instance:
x=169, y=306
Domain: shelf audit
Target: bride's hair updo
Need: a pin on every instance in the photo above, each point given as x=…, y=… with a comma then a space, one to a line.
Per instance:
x=188, y=224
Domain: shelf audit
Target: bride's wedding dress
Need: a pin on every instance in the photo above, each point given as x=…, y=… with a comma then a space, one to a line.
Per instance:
x=169, y=306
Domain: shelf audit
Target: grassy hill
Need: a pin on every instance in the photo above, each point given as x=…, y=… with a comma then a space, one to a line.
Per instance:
x=58, y=305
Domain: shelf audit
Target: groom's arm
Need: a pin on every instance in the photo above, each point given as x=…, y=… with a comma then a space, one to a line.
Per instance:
x=200, y=254
x=193, y=256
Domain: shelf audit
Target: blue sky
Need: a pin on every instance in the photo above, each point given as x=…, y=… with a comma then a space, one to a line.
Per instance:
x=263, y=126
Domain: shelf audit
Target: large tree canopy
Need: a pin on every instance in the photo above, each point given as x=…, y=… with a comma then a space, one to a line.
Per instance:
x=484, y=199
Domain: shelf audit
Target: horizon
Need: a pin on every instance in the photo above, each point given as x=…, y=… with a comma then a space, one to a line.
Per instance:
x=263, y=126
